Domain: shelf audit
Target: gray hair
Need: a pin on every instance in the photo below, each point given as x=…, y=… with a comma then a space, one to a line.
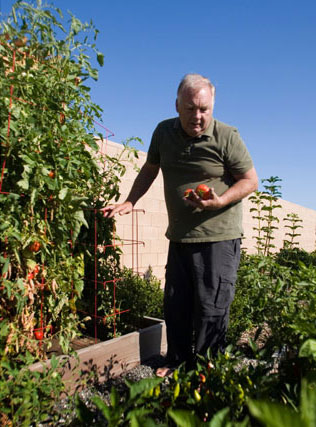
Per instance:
x=195, y=81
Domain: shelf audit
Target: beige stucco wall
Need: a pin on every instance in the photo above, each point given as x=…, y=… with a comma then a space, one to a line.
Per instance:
x=148, y=224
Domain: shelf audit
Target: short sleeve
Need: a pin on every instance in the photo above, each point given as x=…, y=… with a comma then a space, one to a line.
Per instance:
x=153, y=155
x=237, y=157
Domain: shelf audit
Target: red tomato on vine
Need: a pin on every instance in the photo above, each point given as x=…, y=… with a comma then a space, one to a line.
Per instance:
x=35, y=246
x=39, y=335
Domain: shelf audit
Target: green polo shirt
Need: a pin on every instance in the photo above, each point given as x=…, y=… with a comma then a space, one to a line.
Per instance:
x=211, y=159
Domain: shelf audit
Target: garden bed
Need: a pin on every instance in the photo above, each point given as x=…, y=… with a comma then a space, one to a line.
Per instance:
x=113, y=357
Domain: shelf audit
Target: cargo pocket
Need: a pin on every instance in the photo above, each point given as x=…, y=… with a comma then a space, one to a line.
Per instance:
x=225, y=294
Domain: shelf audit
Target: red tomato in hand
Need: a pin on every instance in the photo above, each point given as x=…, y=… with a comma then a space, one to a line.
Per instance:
x=203, y=191
x=187, y=193
x=39, y=335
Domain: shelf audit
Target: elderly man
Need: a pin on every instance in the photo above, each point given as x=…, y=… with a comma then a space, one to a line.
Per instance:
x=204, y=234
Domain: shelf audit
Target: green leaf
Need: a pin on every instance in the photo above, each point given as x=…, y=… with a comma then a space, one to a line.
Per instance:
x=33, y=195
x=100, y=58
x=75, y=25
x=139, y=418
x=308, y=402
x=114, y=397
x=14, y=15
x=63, y=193
x=79, y=216
x=142, y=386
x=23, y=183
x=102, y=406
x=308, y=349
x=54, y=362
x=5, y=265
x=275, y=415
x=184, y=418
x=220, y=418
x=4, y=329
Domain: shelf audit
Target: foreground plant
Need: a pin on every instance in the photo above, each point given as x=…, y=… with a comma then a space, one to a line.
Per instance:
x=277, y=415
x=27, y=397
x=200, y=395
x=265, y=204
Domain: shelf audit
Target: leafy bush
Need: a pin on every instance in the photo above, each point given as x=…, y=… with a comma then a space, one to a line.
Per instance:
x=275, y=296
x=143, y=296
x=135, y=297
x=27, y=397
x=293, y=257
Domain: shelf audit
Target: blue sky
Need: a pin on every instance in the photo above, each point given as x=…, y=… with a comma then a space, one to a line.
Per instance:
x=260, y=55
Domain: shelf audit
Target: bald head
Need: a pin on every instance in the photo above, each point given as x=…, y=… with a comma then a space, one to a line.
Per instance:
x=194, y=82
x=195, y=101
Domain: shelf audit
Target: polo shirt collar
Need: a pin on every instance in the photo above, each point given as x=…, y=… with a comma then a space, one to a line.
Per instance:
x=206, y=135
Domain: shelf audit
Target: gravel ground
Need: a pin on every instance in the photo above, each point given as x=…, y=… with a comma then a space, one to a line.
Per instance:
x=103, y=389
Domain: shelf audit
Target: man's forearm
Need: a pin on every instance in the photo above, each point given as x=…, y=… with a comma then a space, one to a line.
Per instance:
x=238, y=191
x=142, y=183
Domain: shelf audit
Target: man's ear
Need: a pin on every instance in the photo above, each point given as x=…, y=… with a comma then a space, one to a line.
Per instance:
x=177, y=109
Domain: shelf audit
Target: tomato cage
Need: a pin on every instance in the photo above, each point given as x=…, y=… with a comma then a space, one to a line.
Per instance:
x=99, y=265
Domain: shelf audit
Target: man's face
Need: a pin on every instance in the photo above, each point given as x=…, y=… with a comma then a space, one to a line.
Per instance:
x=195, y=108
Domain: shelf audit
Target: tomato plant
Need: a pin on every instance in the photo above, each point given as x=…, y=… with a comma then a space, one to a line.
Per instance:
x=53, y=174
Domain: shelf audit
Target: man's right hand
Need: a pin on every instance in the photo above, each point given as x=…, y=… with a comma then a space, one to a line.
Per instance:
x=121, y=209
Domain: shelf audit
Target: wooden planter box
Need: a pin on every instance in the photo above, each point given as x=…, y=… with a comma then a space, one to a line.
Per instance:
x=112, y=357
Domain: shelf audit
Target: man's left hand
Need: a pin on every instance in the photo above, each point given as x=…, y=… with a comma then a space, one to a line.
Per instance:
x=213, y=203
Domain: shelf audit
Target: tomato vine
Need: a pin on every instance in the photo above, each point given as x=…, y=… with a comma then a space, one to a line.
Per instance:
x=52, y=172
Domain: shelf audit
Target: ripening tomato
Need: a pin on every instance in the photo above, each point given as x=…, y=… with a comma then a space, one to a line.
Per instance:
x=203, y=191
x=20, y=42
x=35, y=246
x=51, y=174
x=39, y=334
x=62, y=118
x=187, y=193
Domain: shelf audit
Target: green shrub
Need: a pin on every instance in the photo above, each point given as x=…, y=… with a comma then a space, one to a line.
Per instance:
x=141, y=296
x=291, y=257
x=277, y=297
x=123, y=301
x=27, y=397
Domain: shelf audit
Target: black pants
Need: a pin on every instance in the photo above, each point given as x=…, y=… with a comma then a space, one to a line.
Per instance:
x=200, y=286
